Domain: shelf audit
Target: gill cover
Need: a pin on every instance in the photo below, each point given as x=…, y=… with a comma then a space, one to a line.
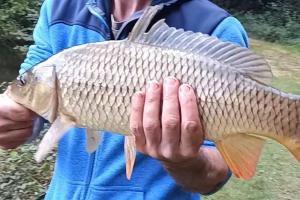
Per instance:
x=36, y=90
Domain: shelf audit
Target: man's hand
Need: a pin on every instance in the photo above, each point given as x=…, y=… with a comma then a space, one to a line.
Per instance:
x=166, y=123
x=168, y=130
x=16, y=123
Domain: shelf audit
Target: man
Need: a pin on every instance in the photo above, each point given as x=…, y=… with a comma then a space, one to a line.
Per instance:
x=175, y=157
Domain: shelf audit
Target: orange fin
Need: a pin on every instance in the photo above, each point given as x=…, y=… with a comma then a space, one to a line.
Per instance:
x=241, y=152
x=130, y=153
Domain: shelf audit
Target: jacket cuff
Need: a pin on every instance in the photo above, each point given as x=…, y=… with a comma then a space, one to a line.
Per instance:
x=38, y=125
x=219, y=185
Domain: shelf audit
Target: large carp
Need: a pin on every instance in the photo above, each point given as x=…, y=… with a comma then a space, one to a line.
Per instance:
x=91, y=86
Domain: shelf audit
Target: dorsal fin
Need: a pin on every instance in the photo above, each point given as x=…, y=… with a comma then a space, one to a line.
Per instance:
x=142, y=24
x=230, y=55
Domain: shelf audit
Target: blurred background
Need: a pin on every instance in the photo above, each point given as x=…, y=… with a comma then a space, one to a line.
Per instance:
x=274, y=29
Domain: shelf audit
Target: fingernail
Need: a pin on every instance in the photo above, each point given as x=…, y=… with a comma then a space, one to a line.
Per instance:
x=153, y=85
x=171, y=80
x=185, y=88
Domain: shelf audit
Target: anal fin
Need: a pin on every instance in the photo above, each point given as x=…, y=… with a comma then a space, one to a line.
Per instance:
x=241, y=152
x=92, y=140
x=130, y=154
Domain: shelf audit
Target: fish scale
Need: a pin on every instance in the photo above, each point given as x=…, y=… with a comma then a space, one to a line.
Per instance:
x=91, y=86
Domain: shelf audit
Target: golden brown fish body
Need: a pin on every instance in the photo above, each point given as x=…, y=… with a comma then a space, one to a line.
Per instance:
x=91, y=86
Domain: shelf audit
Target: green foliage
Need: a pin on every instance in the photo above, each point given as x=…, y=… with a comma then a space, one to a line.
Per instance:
x=17, y=18
x=278, y=22
x=21, y=177
x=241, y=5
x=270, y=20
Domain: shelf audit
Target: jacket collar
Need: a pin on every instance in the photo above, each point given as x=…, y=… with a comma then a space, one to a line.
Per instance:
x=164, y=2
x=101, y=9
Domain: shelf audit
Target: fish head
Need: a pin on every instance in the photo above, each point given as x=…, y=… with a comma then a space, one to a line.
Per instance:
x=36, y=90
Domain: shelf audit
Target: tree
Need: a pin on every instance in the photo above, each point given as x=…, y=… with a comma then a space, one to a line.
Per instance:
x=241, y=5
x=17, y=19
x=272, y=20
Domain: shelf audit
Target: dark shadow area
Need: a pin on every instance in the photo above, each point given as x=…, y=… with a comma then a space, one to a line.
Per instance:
x=9, y=63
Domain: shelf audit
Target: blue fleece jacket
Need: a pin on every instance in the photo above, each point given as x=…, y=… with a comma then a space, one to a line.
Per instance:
x=101, y=175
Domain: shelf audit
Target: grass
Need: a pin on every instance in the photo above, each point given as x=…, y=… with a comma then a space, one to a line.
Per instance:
x=285, y=62
x=277, y=177
x=278, y=173
x=21, y=177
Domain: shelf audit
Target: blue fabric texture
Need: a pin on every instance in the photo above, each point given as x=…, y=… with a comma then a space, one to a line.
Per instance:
x=101, y=175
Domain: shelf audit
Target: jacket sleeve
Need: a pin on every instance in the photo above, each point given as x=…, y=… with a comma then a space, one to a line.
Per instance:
x=41, y=49
x=231, y=30
x=38, y=52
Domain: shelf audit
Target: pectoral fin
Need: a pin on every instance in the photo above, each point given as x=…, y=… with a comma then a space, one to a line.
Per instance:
x=241, y=152
x=130, y=154
x=92, y=140
x=51, y=138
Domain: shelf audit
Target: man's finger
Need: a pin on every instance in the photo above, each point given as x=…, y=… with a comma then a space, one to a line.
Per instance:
x=151, y=116
x=12, y=145
x=15, y=136
x=191, y=130
x=136, y=119
x=170, y=118
x=8, y=125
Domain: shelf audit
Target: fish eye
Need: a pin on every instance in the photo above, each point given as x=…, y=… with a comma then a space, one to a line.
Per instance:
x=36, y=78
x=21, y=80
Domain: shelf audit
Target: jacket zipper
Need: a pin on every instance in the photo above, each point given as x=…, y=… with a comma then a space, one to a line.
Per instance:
x=89, y=174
